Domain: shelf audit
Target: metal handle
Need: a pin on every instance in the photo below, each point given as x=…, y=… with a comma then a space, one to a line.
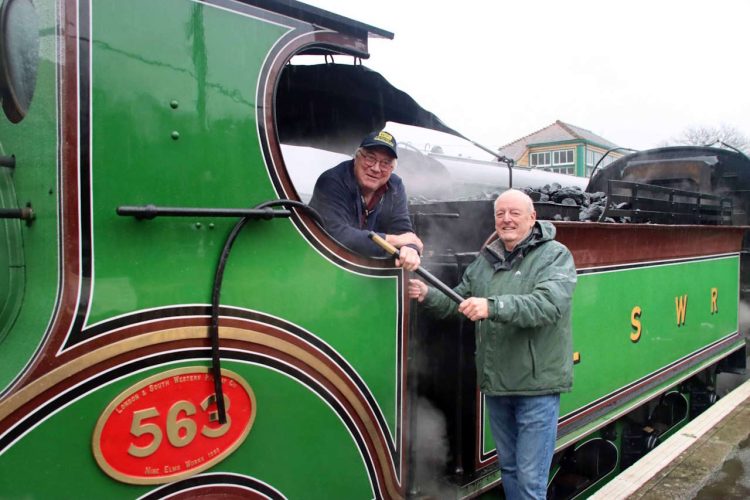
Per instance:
x=431, y=279
x=25, y=213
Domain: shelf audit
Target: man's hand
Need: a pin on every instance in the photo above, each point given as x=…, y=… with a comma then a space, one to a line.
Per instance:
x=417, y=290
x=408, y=258
x=400, y=240
x=474, y=308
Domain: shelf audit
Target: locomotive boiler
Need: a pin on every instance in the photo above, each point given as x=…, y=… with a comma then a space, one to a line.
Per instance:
x=176, y=322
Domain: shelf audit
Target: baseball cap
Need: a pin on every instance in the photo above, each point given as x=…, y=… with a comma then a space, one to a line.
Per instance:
x=382, y=139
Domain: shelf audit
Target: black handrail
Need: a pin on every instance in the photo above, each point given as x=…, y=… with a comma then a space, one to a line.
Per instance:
x=263, y=211
x=659, y=204
x=719, y=141
x=152, y=211
x=25, y=213
x=8, y=161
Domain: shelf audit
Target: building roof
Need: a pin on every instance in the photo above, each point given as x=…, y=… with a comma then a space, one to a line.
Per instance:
x=557, y=132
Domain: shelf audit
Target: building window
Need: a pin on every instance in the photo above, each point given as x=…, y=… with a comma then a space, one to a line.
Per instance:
x=563, y=157
x=548, y=158
x=561, y=161
x=540, y=159
x=593, y=157
x=570, y=170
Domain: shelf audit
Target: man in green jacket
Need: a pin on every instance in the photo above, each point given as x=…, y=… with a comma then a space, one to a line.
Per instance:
x=519, y=291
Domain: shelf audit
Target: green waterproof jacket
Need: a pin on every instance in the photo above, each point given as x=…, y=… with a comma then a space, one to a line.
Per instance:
x=525, y=347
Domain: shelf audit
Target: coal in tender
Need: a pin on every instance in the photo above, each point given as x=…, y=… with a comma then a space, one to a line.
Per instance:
x=573, y=193
x=595, y=197
x=534, y=195
x=552, y=195
x=591, y=213
x=555, y=202
x=550, y=188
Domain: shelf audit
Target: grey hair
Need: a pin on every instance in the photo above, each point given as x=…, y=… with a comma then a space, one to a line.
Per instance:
x=527, y=199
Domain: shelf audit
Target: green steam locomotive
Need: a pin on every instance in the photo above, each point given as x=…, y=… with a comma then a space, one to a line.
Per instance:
x=175, y=321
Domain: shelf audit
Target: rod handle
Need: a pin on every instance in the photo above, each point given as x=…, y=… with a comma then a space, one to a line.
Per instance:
x=383, y=244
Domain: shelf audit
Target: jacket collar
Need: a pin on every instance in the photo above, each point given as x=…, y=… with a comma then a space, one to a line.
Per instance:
x=502, y=260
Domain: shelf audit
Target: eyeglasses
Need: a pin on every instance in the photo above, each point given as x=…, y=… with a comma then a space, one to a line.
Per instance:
x=371, y=161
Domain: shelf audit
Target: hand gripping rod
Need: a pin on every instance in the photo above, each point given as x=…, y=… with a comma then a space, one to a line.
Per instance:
x=432, y=280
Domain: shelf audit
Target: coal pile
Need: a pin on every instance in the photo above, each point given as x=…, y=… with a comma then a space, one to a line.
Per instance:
x=555, y=202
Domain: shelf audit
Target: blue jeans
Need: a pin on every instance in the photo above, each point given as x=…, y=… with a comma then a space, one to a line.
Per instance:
x=525, y=429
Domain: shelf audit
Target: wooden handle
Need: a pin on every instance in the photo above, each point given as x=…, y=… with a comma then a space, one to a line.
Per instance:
x=384, y=244
x=432, y=280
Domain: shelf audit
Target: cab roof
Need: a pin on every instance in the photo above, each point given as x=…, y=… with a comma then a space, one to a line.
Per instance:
x=321, y=18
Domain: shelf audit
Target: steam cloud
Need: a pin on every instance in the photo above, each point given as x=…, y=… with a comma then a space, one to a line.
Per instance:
x=430, y=452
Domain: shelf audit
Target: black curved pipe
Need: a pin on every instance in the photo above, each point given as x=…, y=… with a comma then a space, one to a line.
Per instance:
x=260, y=212
x=213, y=330
x=593, y=170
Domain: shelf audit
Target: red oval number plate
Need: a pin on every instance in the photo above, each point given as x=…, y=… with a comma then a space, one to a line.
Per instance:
x=166, y=427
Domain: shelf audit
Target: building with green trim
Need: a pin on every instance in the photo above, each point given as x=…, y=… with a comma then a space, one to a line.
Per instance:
x=562, y=148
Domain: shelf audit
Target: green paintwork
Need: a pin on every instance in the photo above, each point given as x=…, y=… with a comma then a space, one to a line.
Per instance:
x=144, y=58
x=315, y=445
x=34, y=143
x=172, y=261
x=610, y=360
x=146, y=55
x=603, y=339
x=580, y=160
x=568, y=142
x=11, y=256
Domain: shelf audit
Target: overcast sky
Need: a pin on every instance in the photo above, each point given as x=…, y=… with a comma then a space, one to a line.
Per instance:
x=636, y=72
